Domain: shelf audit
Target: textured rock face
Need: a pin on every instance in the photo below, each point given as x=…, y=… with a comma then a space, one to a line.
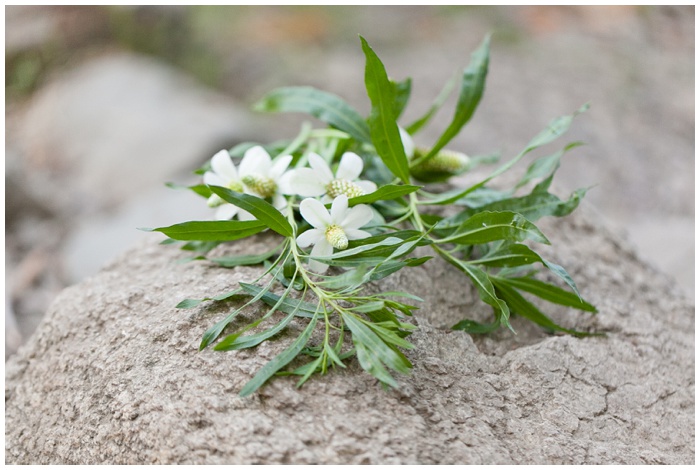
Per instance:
x=113, y=376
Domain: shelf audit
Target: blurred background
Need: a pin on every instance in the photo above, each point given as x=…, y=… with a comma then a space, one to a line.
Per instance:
x=105, y=104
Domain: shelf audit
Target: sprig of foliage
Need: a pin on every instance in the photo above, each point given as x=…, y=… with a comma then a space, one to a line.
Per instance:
x=363, y=230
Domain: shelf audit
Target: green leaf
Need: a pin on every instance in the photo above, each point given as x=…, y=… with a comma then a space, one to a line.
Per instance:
x=236, y=341
x=402, y=92
x=486, y=227
x=384, y=193
x=382, y=120
x=548, y=292
x=510, y=255
x=555, y=129
x=325, y=106
x=244, y=260
x=350, y=279
x=262, y=210
x=545, y=166
x=533, y=206
x=373, y=353
x=215, y=330
x=369, y=306
x=288, y=305
x=472, y=89
x=474, y=327
x=484, y=286
x=189, y=303
x=437, y=104
x=279, y=361
x=387, y=268
x=519, y=305
x=201, y=189
x=212, y=230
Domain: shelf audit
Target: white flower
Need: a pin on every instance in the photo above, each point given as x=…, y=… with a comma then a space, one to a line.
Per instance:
x=331, y=230
x=257, y=175
x=408, y=146
x=319, y=180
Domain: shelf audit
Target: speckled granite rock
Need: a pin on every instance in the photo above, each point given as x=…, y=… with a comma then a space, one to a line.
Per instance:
x=113, y=375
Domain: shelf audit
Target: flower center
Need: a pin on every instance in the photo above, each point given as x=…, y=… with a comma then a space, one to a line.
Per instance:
x=336, y=237
x=215, y=201
x=235, y=186
x=261, y=185
x=340, y=186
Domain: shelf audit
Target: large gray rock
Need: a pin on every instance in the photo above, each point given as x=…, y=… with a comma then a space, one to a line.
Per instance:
x=113, y=375
x=118, y=124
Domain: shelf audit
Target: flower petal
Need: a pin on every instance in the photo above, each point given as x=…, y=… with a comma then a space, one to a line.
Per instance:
x=355, y=234
x=279, y=201
x=214, y=180
x=408, y=146
x=321, y=168
x=339, y=209
x=310, y=237
x=226, y=212
x=322, y=249
x=223, y=166
x=315, y=213
x=358, y=216
x=350, y=167
x=255, y=161
x=306, y=183
x=279, y=166
x=367, y=186
x=245, y=215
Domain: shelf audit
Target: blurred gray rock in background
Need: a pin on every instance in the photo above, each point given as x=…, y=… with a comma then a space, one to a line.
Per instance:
x=89, y=154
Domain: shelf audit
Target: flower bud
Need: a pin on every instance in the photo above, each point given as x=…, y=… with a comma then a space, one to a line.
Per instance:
x=444, y=164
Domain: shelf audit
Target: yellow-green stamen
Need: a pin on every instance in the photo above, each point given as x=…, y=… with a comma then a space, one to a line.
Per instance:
x=261, y=185
x=336, y=237
x=340, y=186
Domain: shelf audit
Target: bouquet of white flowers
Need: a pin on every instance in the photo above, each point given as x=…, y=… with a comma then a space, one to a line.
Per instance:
x=348, y=202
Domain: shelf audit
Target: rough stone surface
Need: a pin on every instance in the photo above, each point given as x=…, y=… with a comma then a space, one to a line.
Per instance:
x=113, y=375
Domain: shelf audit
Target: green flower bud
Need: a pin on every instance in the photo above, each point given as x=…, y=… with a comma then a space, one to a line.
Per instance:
x=444, y=164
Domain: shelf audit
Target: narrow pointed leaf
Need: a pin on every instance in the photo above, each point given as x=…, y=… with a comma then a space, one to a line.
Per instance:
x=327, y=107
x=261, y=209
x=244, y=260
x=212, y=230
x=485, y=288
x=510, y=255
x=402, y=92
x=384, y=193
x=235, y=341
x=373, y=353
x=279, y=361
x=474, y=327
x=520, y=306
x=555, y=129
x=434, y=107
x=548, y=292
x=288, y=305
x=486, y=227
x=472, y=89
x=382, y=120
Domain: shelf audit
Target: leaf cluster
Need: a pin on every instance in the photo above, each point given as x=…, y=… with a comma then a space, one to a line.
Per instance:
x=491, y=238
